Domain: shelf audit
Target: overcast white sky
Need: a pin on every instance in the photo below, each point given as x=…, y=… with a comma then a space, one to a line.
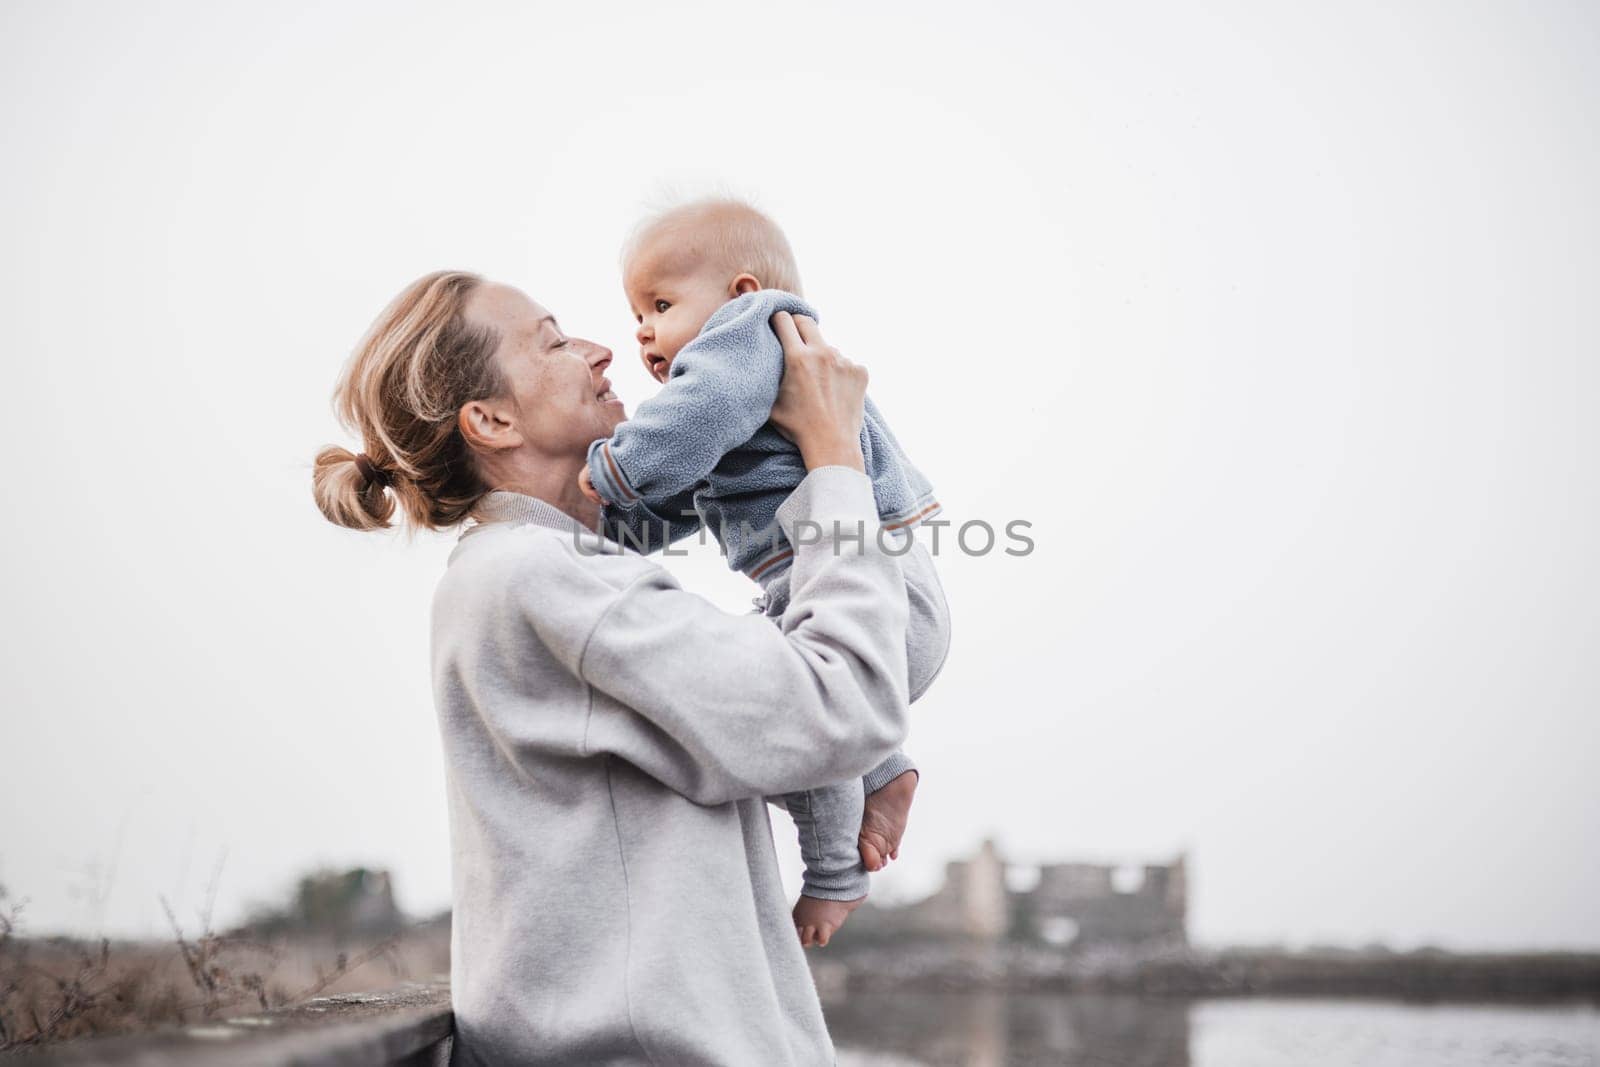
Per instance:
x=1279, y=326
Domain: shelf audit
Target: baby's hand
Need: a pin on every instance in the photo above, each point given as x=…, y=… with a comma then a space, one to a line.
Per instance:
x=586, y=487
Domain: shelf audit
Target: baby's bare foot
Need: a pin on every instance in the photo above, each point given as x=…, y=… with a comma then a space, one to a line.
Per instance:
x=816, y=920
x=883, y=821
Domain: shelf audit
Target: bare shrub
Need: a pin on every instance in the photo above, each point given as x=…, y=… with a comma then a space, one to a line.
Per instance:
x=56, y=989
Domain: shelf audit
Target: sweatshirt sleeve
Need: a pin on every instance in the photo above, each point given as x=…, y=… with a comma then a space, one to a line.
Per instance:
x=720, y=706
x=719, y=393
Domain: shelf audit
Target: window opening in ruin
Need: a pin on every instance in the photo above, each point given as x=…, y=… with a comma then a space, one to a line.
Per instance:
x=1127, y=878
x=1058, y=930
x=1023, y=877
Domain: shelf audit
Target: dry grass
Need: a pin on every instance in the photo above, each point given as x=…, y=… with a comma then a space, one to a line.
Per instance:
x=56, y=989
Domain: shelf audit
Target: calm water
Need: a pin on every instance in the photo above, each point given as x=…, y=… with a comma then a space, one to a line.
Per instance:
x=988, y=1030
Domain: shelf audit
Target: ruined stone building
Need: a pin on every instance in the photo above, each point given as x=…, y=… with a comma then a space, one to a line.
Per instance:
x=1076, y=905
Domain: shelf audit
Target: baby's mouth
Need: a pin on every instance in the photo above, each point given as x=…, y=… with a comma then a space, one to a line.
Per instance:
x=657, y=365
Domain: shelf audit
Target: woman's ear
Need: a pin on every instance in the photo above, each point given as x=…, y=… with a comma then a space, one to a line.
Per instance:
x=744, y=283
x=486, y=427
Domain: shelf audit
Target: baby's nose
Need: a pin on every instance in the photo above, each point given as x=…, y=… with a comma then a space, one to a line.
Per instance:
x=643, y=333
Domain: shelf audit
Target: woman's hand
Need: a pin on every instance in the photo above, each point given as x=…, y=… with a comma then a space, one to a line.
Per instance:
x=819, y=405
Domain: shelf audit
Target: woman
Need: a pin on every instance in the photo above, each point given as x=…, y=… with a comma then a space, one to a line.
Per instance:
x=608, y=736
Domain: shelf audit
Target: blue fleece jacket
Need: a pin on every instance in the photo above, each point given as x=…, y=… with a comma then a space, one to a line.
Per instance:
x=701, y=452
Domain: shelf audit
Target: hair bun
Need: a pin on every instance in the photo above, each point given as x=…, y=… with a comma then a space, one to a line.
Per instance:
x=374, y=474
x=349, y=489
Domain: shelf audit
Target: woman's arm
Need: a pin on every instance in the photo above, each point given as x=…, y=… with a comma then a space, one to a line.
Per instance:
x=720, y=706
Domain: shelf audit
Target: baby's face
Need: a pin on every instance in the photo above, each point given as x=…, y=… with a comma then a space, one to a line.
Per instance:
x=672, y=296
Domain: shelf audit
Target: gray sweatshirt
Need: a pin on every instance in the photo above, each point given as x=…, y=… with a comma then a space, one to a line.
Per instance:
x=608, y=740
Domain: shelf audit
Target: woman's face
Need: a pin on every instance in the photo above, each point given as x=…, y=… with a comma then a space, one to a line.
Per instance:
x=563, y=397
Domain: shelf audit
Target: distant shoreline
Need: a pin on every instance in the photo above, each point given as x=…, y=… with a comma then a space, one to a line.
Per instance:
x=1427, y=975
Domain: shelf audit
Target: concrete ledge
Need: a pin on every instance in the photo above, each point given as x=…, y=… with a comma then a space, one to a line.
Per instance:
x=410, y=1026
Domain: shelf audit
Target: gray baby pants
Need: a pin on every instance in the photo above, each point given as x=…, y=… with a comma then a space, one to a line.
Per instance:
x=828, y=818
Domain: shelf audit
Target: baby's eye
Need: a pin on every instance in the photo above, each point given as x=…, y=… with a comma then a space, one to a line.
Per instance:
x=661, y=307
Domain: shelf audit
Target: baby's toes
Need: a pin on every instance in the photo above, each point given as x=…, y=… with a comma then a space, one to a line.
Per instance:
x=871, y=856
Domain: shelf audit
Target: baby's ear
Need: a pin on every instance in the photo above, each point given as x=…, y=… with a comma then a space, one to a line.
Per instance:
x=744, y=283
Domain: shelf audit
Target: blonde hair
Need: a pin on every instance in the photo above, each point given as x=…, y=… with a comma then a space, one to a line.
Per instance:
x=726, y=231
x=400, y=393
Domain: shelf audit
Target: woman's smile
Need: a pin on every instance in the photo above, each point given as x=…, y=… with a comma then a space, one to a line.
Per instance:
x=602, y=383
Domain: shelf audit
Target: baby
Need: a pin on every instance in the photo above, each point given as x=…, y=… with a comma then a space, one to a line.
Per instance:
x=704, y=281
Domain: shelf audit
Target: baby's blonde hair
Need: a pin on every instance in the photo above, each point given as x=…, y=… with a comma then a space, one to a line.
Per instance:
x=727, y=231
